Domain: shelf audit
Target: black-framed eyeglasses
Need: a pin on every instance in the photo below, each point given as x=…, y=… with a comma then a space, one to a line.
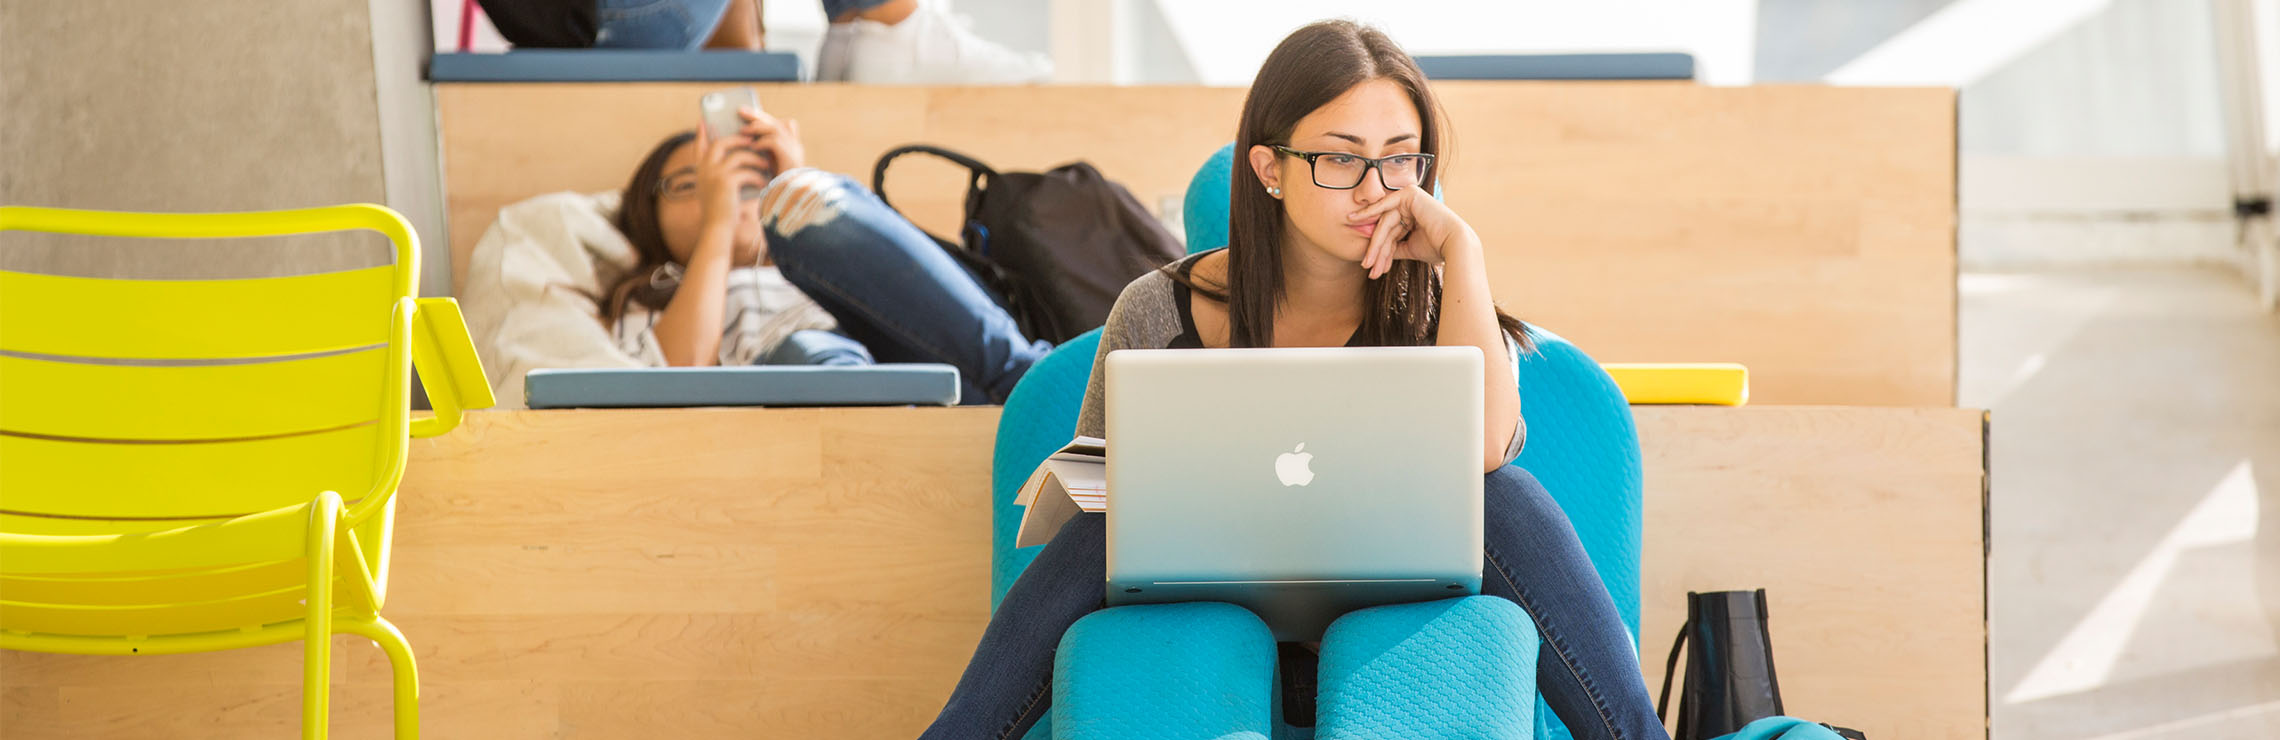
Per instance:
x=1344, y=170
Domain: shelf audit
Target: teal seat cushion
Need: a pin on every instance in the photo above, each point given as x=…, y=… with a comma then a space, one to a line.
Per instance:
x=615, y=65
x=1204, y=212
x=893, y=384
x=1040, y=416
x=1782, y=728
x=1584, y=448
x=1199, y=670
x=1453, y=669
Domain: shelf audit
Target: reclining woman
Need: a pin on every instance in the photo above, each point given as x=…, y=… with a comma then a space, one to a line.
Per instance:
x=722, y=279
x=1335, y=239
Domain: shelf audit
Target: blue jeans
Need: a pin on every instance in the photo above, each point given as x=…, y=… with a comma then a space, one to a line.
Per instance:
x=834, y=8
x=656, y=24
x=1585, y=667
x=890, y=285
x=818, y=347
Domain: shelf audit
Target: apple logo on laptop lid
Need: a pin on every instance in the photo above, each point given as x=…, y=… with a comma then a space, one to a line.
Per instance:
x=1292, y=467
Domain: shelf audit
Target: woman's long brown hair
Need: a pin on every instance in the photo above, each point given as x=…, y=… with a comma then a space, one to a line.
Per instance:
x=1312, y=67
x=637, y=220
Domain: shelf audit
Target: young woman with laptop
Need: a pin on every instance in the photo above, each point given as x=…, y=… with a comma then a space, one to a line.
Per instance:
x=1335, y=241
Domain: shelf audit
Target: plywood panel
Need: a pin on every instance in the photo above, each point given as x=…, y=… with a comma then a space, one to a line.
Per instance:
x=823, y=573
x=1865, y=527
x=693, y=573
x=1805, y=231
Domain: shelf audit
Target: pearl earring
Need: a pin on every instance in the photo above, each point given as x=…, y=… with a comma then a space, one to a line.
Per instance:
x=1276, y=192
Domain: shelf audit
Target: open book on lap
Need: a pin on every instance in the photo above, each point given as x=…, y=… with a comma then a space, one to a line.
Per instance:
x=1072, y=479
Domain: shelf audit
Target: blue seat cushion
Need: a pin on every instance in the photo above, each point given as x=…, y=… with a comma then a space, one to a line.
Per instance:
x=1203, y=212
x=616, y=65
x=914, y=384
x=1454, y=668
x=1039, y=417
x=1646, y=66
x=1782, y=728
x=1198, y=670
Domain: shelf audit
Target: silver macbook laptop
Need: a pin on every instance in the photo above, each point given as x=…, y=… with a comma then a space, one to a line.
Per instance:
x=1300, y=483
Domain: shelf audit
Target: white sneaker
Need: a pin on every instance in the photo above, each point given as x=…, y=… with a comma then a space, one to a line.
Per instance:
x=930, y=48
x=832, y=58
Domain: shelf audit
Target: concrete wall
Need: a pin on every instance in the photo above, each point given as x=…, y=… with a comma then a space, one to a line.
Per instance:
x=205, y=106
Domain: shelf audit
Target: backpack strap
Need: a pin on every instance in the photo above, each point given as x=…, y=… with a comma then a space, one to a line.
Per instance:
x=974, y=168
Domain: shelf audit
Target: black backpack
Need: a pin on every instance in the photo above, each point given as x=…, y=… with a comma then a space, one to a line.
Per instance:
x=545, y=24
x=1055, y=248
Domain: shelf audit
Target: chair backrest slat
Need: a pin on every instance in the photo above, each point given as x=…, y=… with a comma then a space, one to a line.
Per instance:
x=56, y=398
x=247, y=606
x=143, y=481
x=195, y=319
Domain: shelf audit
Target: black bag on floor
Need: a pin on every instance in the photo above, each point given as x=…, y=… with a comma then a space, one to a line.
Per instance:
x=1729, y=668
x=1054, y=247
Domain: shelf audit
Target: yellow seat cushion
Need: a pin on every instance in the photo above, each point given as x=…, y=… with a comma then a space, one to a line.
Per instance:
x=1705, y=383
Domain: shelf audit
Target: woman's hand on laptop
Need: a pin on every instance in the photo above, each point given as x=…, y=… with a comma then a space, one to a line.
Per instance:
x=778, y=138
x=1411, y=225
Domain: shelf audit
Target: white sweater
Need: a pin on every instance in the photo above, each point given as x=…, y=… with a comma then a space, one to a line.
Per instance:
x=529, y=294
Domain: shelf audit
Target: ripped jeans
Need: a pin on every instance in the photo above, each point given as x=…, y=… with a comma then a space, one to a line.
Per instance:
x=889, y=285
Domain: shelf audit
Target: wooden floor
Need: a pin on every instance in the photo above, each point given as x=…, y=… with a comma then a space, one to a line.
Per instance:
x=824, y=573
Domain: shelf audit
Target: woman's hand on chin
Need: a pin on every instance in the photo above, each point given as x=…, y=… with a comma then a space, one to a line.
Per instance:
x=1411, y=225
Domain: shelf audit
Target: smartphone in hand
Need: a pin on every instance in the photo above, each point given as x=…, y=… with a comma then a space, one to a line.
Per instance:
x=717, y=112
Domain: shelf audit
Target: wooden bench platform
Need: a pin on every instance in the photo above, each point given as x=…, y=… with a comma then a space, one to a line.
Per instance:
x=740, y=573
x=1806, y=231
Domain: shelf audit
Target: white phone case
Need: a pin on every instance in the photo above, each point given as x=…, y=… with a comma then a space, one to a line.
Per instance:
x=717, y=110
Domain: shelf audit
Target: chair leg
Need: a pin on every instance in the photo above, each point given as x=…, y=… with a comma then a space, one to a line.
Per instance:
x=316, y=638
x=405, y=673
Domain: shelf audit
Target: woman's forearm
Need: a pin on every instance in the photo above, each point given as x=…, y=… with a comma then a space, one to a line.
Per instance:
x=1468, y=317
x=688, y=331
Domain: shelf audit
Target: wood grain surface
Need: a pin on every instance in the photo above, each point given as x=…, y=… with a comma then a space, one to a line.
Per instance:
x=715, y=573
x=1805, y=231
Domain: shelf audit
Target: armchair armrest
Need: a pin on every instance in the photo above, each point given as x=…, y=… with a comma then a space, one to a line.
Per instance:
x=449, y=370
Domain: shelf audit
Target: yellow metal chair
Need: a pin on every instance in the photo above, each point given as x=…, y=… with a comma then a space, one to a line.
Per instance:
x=198, y=465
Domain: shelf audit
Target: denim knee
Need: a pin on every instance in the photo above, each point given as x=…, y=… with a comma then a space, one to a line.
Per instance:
x=1517, y=487
x=802, y=198
x=1513, y=501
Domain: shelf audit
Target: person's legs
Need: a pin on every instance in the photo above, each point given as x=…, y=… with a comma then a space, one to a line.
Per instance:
x=741, y=28
x=658, y=24
x=906, y=42
x=1586, y=666
x=1008, y=683
x=836, y=54
x=817, y=347
x=889, y=12
x=890, y=285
